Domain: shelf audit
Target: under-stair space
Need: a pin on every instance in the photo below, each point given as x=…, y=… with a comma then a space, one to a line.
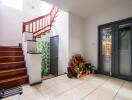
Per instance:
x=32, y=57
x=12, y=67
x=35, y=31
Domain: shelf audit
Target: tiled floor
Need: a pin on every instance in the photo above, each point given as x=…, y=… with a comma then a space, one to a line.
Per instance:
x=48, y=77
x=92, y=87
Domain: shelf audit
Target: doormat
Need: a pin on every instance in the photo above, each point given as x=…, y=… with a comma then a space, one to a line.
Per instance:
x=4, y=93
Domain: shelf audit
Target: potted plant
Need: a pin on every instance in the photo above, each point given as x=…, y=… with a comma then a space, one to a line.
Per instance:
x=45, y=71
x=44, y=49
x=93, y=69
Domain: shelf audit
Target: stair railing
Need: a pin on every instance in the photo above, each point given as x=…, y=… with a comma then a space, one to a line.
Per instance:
x=53, y=14
x=42, y=24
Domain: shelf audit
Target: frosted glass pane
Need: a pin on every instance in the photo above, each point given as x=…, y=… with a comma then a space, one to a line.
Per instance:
x=106, y=48
x=125, y=49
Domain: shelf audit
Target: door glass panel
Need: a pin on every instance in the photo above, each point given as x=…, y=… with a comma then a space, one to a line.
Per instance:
x=125, y=49
x=106, y=48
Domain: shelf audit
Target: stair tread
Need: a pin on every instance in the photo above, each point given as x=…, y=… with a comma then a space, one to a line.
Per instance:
x=13, y=79
x=12, y=67
x=32, y=40
x=10, y=47
x=33, y=52
x=11, y=62
x=10, y=51
x=12, y=70
x=11, y=56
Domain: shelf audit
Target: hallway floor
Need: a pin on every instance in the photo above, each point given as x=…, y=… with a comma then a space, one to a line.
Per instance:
x=91, y=87
x=48, y=77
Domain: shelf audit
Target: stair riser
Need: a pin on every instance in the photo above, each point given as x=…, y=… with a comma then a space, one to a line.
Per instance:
x=10, y=49
x=11, y=66
x=15, y=83
x=12, y=59
x=11, y=53
x=12, y=74
x=12, y=69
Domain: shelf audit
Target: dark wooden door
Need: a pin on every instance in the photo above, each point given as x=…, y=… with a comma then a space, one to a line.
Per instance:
x=54, y=44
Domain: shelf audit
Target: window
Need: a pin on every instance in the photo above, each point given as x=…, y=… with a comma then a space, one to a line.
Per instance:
x=17, y=4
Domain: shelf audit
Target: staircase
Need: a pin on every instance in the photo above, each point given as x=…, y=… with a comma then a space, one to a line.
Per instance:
x=32, y=31
x=12, y=67
x=40, y=25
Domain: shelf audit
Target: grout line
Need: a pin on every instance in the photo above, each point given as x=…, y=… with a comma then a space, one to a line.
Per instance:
x=81, y=83
x=39, y=92
x=67, y=89
x=118, y=90
x=70, y=88
x=96, y=88
x=74, y=87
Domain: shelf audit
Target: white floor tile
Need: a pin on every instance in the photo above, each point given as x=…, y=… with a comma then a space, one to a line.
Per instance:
x=15, y=97
x=106, y=91
x=90, y=87
x=125, y=92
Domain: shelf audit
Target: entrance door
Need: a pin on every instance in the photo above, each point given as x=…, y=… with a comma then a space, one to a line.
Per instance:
x=115, y=49
x=123, y=49
x=54, y=41
x=105, y=50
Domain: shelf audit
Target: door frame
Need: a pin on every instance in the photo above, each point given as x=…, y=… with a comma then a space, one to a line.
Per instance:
x=113, y=69
x=100, y=48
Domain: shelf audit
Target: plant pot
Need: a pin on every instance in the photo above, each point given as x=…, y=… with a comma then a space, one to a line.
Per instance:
x=78, y=76
x=45, y=74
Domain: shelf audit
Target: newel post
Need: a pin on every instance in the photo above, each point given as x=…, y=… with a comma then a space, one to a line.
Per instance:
x=23, y=27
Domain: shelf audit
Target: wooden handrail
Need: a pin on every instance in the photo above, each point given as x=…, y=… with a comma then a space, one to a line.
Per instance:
x=40, y=24
x=54, y=14
x=37, y=18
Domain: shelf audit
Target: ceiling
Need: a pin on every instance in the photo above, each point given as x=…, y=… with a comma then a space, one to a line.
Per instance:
x=85, y=8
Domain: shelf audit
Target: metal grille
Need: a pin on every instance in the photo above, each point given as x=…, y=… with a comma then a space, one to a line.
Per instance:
x=4, y=93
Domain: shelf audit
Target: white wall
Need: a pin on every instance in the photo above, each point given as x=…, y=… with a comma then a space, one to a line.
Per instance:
x=11, y=20
x=121, y=11
x=32, y=60
x=10, y=26
x=76, y=35
x=70, y=29
x=61, y=28
x=35, y=8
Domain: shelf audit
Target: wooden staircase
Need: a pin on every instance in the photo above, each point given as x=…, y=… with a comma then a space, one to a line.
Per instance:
x=42, y=24
x=12, y=67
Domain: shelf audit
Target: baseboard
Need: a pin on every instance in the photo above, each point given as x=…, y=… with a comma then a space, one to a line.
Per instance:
x=36, y=83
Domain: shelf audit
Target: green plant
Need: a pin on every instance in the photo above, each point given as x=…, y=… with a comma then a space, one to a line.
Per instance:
x=44, y=49
x=45, y=70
